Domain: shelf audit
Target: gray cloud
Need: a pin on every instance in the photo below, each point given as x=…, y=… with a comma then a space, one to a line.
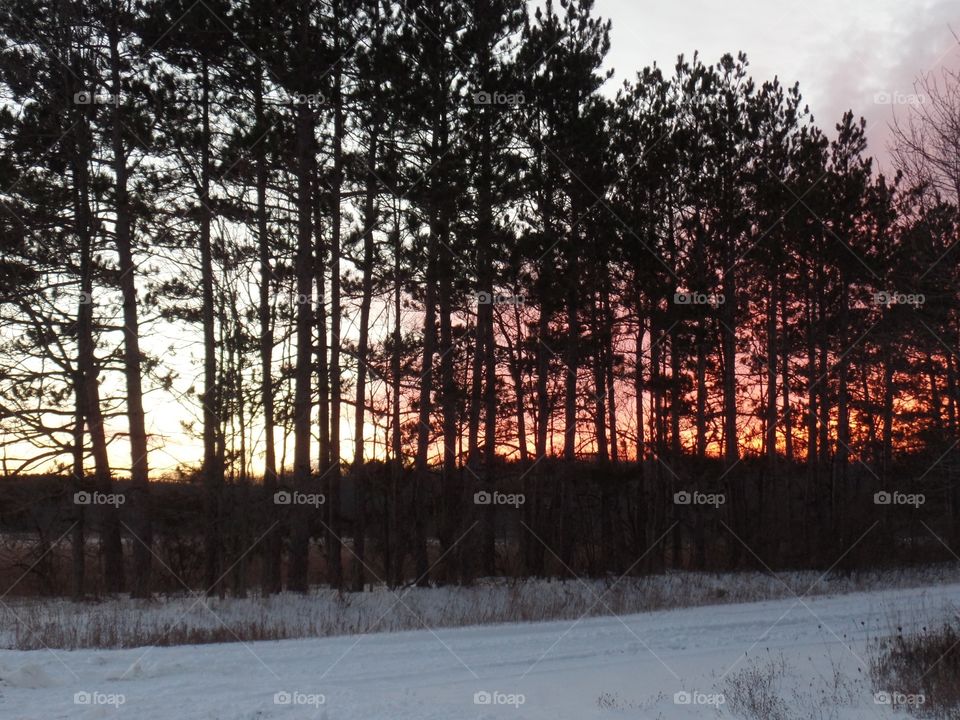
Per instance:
x=842, y=54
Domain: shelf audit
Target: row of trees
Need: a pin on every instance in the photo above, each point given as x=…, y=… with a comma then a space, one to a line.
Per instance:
x=423, y=227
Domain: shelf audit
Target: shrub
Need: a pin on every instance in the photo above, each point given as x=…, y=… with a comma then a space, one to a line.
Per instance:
x=920, y=672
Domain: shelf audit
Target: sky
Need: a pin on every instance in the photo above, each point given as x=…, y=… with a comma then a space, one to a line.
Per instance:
x=844, y=53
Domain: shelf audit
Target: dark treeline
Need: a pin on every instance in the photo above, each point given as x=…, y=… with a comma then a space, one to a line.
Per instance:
x=412, y=253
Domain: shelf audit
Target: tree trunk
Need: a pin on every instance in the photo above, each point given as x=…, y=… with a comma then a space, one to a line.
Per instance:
x=599, y=382
x=393, y=544
x=701, y=419
x=212, y=473
x=676, y=387
x=334, y=561
x=425, y=404
x=139, y=469
x=729, y=350
x=271, y=571
x=370, y=222
x=638, y=385
x=843, y=399
x=88, y=397
x=78, y=545
x=772, y=356
x=609, y=368
x=785, y=378
x=300, y=536
x=572, y=364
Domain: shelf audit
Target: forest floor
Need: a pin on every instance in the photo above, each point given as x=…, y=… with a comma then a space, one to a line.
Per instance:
x=798, y=657
x=790, y=658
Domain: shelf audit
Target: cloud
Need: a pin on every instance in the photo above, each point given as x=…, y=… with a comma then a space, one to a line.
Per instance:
x=842, y=54
x=883, y=59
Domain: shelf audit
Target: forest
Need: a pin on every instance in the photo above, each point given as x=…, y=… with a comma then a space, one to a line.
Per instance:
x=363, y=292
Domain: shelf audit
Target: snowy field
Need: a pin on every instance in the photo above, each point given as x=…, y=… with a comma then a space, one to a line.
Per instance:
x=659, y=665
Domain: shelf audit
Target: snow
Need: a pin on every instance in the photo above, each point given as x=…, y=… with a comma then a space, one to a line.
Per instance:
x=596, y=667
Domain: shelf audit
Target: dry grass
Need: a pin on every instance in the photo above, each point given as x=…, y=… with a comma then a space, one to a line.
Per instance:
x=182, y=619
x=768, y=689
x=920, y=672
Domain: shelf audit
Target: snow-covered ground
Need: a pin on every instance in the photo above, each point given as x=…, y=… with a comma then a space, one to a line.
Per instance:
x=642, y=666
